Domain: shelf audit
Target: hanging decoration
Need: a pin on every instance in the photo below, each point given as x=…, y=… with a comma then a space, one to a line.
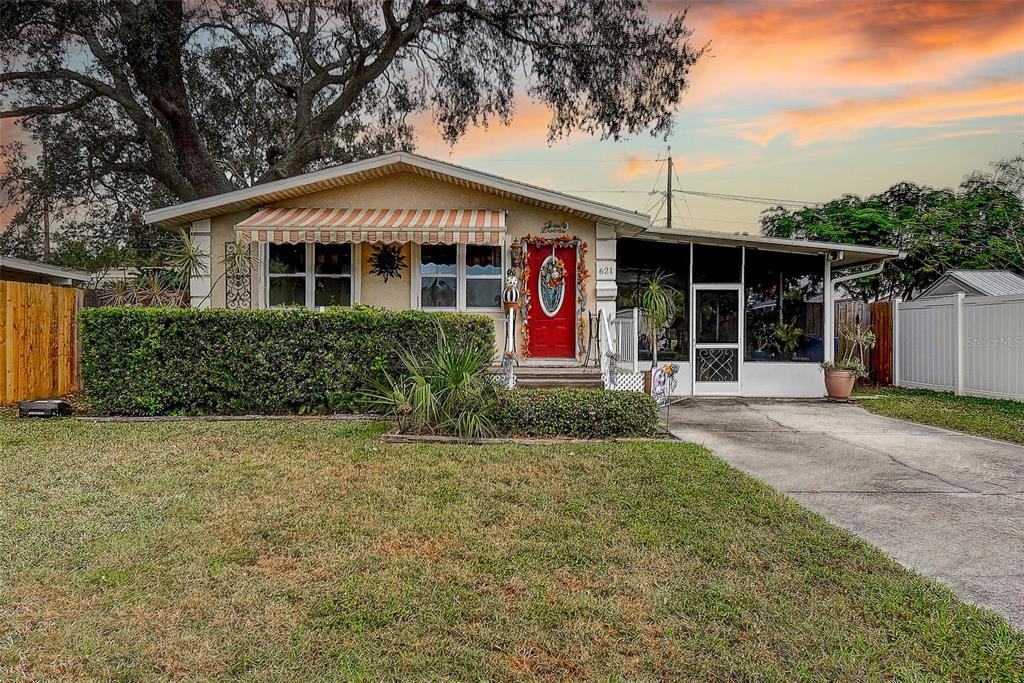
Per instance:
x=553, y=272
x=522, y=263
x=387, y=261
x=551, y=284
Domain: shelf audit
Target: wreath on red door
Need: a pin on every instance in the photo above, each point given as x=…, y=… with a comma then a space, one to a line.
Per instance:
x=553, y=272
x=519, y=260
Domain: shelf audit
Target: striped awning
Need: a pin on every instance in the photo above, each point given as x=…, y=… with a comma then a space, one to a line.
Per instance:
x=423, y=226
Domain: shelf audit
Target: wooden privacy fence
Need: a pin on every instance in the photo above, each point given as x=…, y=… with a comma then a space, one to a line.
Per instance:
x=38, y=341
x=877, y=316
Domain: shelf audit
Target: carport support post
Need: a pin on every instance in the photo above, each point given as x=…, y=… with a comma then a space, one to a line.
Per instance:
x=960, y=341
x=830, y=322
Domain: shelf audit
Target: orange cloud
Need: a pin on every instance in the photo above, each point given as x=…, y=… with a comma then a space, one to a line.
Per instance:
x=635, y=167
x=966, y=133
x=529, y=128
x=773, y=46
x=638, y=167
x=918, y=108
x=687, y=165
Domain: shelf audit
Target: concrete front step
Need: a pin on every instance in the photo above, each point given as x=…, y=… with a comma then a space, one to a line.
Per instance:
x=559, y=382
x=560, y=376
x=543, y=371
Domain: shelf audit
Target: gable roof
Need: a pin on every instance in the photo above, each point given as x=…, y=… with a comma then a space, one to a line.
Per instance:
x=387, y=164
x=980, y=282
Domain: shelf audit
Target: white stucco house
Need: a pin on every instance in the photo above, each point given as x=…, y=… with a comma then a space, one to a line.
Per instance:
x=402, y=231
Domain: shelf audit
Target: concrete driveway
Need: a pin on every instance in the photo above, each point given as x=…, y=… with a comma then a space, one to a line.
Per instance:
x=946, y=505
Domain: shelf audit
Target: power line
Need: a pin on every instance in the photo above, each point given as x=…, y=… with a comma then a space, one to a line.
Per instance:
x=710, y=195
x=750, y=198
x=685, y=203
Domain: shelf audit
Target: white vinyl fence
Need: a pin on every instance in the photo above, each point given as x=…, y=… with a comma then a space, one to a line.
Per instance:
x=969, y=345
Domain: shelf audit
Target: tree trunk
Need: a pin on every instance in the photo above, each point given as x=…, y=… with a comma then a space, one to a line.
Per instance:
x=155, y=58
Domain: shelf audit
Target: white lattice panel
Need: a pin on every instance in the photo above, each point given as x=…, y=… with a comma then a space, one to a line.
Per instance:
x=628, y=381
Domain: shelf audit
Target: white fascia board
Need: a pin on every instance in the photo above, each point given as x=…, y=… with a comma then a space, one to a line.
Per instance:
x=856, y=253
x=212, y=204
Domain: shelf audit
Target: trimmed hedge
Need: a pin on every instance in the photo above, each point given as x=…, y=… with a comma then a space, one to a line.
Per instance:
x=580, y=413
x=160, y=361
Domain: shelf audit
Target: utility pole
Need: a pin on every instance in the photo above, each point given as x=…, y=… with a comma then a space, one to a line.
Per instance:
x=668, y=195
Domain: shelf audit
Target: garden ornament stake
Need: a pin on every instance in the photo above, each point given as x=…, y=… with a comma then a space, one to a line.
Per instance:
x=510, y=302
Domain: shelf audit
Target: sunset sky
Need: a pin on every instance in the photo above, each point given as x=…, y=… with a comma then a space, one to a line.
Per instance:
x=798, y=100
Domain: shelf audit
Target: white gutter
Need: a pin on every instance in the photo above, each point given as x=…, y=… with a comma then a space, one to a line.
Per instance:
x=856, y=276
x=830, y=350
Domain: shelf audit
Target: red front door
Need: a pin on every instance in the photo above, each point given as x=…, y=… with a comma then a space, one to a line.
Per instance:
x=552, y=321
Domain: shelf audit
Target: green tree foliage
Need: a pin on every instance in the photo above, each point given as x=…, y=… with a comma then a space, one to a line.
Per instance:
x=978, y=225
x=139, y=104
x=202, y=97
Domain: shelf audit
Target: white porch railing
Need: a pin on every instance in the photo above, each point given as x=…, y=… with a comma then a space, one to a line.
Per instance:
x=606, y=350
x=627, y=336
x=617, y=344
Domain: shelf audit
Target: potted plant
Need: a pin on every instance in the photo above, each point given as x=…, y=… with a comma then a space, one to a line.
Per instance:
x=841, y=375
x=658, y=301
x=787, y=338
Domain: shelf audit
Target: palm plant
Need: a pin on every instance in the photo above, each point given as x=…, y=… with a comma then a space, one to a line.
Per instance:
x=658, y=299
x=444, y=389
x=239, y=260
x=116, y=293
x=787, y=338
x=187, y=258
x=158, y=290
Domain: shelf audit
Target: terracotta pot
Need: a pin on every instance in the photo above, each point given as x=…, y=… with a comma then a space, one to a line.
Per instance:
x=839, y=384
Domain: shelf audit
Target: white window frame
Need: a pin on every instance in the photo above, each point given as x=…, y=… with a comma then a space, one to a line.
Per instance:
x=310, y=276
x=461, y=277
x=465, y=276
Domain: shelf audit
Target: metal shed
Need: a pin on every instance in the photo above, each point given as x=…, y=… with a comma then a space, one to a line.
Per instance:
x=975, y=283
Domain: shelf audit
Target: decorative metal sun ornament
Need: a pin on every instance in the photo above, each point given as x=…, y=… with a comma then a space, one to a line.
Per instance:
x=387, y=261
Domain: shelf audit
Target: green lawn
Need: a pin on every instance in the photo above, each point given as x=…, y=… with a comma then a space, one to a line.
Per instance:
x=314, y=551
x=997, y=419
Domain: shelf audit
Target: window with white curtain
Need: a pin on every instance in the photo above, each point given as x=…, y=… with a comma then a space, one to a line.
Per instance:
x=483, y=276
x=460, y=277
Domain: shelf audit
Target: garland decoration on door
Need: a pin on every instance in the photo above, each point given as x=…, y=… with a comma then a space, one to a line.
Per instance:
x=522, y=264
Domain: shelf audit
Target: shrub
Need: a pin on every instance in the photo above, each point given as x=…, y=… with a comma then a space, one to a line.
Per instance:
x=158, y=361
x=443, y=389
x=581, y=413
